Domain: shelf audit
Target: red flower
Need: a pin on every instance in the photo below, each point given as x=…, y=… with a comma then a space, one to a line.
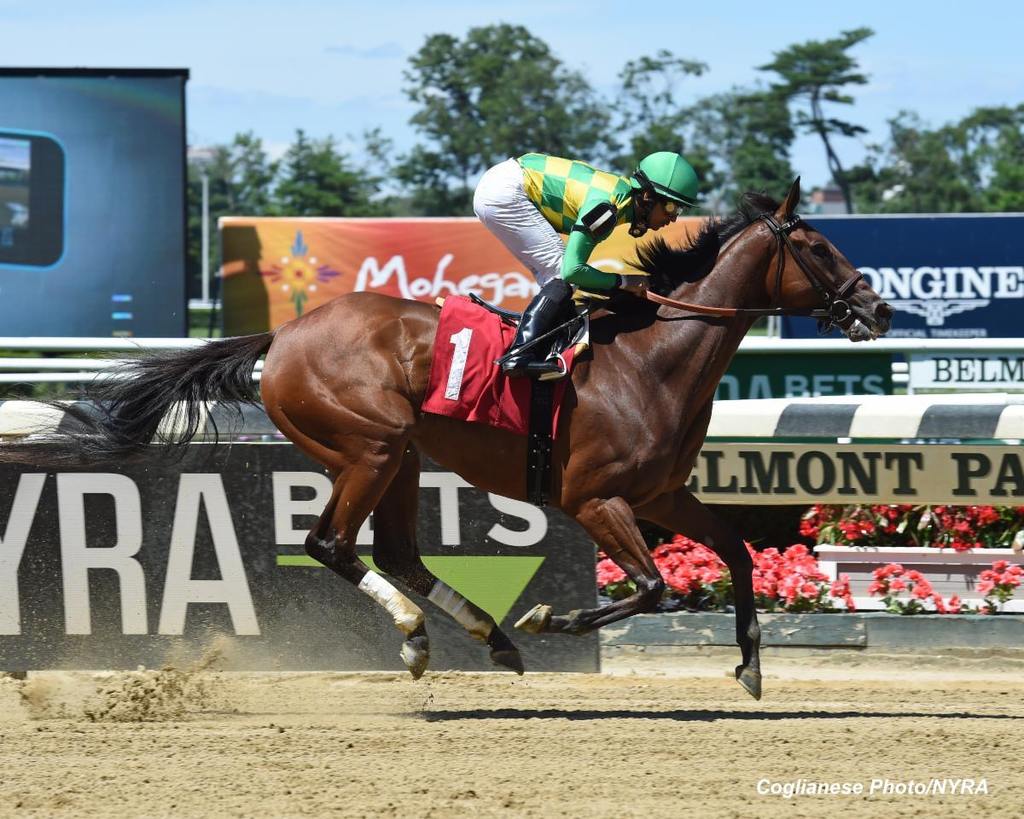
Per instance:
x=608, y=573
x=987, y=515
x=888, y=570
x=923, y=589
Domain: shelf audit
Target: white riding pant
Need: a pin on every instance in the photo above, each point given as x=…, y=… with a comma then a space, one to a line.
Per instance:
x=503, y=206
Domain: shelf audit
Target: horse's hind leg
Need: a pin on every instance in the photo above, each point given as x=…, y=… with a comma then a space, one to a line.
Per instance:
x=396, y=552
x=332, y=541
x=613, y=527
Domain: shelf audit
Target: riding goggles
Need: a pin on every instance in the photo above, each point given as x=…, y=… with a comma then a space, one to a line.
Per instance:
x=672, y=207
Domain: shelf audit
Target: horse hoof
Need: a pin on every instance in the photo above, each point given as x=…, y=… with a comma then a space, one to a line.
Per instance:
x=415, y=654
x=510, y=659
x=750, y=679
x=535, y=620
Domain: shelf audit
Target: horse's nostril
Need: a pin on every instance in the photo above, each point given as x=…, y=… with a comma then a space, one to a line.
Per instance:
x=882, y=315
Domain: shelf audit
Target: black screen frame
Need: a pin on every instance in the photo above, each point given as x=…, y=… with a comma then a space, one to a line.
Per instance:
x=41, y=244
x=183, y=75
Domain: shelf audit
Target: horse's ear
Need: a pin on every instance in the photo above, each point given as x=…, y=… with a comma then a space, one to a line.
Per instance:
x=789, y=207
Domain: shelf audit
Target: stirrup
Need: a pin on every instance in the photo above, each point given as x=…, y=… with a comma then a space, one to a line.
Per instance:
x=549, y=369
x=517, y=366
x=556, y=374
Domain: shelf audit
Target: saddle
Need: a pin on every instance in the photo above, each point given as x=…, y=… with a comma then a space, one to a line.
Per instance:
x=466, y=384
x=572, y=332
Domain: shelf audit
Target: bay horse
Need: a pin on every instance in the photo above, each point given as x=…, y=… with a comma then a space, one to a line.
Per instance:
x=345, y=382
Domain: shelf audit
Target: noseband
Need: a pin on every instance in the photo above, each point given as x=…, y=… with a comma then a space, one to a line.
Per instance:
x=837, y=310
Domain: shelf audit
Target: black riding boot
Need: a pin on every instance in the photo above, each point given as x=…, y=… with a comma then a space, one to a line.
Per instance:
x=539, y=317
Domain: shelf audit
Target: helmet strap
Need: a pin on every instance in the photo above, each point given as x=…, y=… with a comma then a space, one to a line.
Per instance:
x=646, y=184
x=641, y=210
x=642, y=204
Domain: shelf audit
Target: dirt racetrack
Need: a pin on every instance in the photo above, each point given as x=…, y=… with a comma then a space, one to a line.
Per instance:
x=644, y=744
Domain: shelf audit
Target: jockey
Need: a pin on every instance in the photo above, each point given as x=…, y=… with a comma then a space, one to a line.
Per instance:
x=527, y=202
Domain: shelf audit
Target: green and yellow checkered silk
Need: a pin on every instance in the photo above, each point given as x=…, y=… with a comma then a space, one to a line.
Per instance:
x=564, y=190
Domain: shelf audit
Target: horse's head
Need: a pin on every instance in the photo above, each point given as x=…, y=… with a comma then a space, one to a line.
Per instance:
x=809, y=272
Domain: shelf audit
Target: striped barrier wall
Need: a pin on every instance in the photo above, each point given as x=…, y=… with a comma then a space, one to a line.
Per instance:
x=974, y=416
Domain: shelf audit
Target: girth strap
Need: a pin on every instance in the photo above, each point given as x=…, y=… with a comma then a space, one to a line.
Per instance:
x=538, y=444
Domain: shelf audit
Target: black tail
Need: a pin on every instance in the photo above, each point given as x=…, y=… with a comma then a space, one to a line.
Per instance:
x=129, y=409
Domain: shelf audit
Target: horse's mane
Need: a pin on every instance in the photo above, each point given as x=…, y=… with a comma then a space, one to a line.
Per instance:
x=669, y=267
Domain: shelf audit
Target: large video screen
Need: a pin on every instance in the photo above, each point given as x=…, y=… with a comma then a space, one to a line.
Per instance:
x=92, y=202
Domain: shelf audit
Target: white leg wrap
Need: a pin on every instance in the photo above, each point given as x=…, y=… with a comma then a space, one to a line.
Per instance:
x=406, y=614
x=453, y=603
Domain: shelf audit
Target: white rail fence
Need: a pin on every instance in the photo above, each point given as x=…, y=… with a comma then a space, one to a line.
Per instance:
x=39, y=369
x=80, y=368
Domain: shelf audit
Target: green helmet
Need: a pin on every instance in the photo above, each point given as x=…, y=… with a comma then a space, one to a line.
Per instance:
x=669, y=175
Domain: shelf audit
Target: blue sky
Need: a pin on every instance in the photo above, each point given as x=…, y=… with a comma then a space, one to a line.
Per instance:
x=336, y=67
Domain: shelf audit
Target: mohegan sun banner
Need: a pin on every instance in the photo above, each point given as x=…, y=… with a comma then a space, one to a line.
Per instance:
x=277, y=269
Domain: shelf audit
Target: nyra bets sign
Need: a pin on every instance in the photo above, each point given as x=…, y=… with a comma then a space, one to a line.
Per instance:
x=112, y=569
x=948, y=276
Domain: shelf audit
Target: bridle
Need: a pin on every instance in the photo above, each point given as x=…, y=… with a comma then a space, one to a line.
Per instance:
x=836, y=311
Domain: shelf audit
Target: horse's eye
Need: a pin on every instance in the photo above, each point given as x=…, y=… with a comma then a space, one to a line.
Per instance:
x=821, y=251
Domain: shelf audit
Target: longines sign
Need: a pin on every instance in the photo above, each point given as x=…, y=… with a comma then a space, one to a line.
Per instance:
x=783, y=473
x=947, y=276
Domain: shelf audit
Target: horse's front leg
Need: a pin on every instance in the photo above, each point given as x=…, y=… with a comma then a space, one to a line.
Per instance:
x=681, y=512
x=613, y=527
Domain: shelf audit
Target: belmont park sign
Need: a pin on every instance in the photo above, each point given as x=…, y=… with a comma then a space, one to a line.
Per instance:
x=766, y=473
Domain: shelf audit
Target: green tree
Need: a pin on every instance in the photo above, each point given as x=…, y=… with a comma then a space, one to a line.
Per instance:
x=916, y=172
x=647, y=107
x=764, y=136
x=315, y=179
x=426, y=175
x=976, y=164
x=240, y=177
x=995, y=141
x=814, y=74
x=251, y=176
x=748, y=132
x=499, y=92
x=652, y=118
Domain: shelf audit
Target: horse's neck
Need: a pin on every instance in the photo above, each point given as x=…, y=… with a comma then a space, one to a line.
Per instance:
x=693, y=354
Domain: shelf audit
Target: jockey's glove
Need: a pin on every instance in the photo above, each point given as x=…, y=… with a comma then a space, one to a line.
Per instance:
x=632, y=280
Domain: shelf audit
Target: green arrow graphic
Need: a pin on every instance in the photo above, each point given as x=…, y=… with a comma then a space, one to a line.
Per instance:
x=494, y=583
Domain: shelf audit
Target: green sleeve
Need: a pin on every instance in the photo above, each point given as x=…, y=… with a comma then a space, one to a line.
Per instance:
x=575, y=269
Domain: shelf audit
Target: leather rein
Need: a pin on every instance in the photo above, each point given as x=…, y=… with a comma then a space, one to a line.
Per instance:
x=836, y=311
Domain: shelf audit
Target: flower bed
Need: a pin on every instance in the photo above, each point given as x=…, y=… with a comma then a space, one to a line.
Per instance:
x=960, y=528
x=959, y=581
x=696, y=579
x=951, y=549
x=793, y=580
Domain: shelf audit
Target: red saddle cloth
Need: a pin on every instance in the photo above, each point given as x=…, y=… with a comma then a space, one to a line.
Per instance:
x=465, y=383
